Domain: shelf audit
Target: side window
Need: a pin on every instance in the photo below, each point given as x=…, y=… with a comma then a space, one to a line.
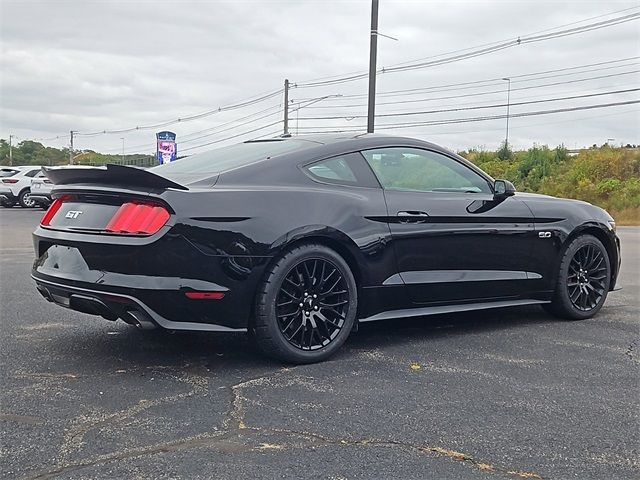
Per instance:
x=32, y=173
x=400, y=168
x=347, y=169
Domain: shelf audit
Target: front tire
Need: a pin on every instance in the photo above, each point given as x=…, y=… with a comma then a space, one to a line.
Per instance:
x=306, y=305
x=583, y=280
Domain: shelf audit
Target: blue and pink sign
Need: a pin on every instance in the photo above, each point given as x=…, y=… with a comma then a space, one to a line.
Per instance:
x=167, y=149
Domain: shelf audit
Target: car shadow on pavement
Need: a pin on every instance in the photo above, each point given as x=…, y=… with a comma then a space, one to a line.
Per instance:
x=118, y=342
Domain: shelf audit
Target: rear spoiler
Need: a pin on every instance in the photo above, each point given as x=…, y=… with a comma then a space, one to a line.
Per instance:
x=115, y=175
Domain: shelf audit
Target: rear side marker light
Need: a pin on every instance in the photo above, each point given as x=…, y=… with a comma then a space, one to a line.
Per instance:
x=204, y=295
x=138, y=218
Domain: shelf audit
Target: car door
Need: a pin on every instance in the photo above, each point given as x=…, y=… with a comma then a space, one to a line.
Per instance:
x=453, y=241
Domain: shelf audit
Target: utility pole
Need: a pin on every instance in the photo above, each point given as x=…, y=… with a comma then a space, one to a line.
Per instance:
x=10, y=150
x=122, y=138
x=286, y=106
x=506, y=139
x=373, y=53
x=71, y=132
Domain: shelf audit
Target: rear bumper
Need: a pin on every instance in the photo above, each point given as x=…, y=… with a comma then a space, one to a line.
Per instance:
x=145, y=280
x=116, y=305
x=41, y=198
x=6, y=195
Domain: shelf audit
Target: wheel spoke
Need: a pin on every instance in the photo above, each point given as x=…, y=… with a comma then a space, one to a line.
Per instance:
x=337, y=304
x=586, y=277
x=326, y=320
x=288, y=294
x=297, y=286
x=312, y=304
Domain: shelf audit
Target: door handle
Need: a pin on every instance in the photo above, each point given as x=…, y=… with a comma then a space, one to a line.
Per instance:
x=412, y=216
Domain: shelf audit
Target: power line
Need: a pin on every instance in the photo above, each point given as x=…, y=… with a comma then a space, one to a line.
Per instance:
x=387, y=126
x=230, y=122
x=215, y=129
x=475, y=107
x=493, y=81
x=475, y=94
x=230, y=128
x=518, y=127
x=233, y=136
x=235, y=106
x=530, y=38
x=475, y=47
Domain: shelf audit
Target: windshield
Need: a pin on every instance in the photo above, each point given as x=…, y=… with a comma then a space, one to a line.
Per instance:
x=233, y=156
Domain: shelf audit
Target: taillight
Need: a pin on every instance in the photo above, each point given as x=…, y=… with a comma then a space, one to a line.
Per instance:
x=138, y=218
x=46, y=180
x=9, y=180
x=51, y=211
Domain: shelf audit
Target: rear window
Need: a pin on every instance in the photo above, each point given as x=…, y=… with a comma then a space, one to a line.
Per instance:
x=7, y=172
x=231, y=157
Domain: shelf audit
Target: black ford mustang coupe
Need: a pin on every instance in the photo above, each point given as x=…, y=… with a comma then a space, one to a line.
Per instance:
x=296, y=240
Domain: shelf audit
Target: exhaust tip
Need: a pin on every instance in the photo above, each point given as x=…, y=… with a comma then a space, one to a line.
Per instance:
x=141, y=320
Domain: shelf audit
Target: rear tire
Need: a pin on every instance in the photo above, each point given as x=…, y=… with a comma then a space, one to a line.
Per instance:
x=306, y=305
x=24, y=199
x=583, y=280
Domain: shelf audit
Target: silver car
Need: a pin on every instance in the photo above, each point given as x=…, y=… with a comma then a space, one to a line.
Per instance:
x=41, y=188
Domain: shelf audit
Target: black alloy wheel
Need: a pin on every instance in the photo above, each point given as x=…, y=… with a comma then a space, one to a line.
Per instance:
x=306, y=306
x=583, y=280
x=587, y=276
x=312, y=304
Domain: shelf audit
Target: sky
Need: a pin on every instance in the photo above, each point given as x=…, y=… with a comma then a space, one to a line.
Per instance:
x=101, y=65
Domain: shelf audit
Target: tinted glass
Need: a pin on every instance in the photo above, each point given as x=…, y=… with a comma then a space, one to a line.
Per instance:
x=233, y=156
x=32, y=173
x=424, y=171
x=333, y=169
x=7, y=172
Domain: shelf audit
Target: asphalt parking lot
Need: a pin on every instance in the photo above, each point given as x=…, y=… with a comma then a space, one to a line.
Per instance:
x=490, y=395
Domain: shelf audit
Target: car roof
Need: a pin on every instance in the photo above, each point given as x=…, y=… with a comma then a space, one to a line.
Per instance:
x=21, y=168
x=348, y=140
x=330, y=138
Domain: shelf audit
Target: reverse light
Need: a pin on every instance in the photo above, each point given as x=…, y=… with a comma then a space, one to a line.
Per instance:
x=138, y=218
x=204, y=295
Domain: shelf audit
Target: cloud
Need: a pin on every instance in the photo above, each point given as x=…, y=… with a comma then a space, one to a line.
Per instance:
x=100, y=65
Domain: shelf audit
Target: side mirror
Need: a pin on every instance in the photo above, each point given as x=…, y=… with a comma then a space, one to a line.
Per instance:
x=503, y=189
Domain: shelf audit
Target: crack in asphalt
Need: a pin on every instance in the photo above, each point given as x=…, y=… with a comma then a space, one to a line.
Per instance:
x=73, y=438
x=631, y=351
x=234, y=436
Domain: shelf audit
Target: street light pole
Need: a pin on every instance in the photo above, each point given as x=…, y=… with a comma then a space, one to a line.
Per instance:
x=506, y=139
x=373, y=53
x=10, y=150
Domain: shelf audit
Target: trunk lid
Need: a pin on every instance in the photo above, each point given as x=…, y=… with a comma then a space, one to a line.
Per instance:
x=114, y=200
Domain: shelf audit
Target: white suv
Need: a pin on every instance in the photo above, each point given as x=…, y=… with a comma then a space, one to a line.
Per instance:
x=15, y=185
